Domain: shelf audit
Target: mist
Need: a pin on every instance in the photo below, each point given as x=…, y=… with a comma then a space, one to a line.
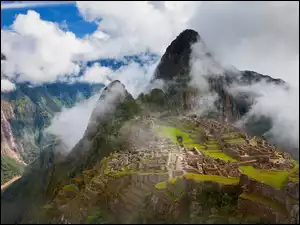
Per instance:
x=202, y=65
x=281, y=105
x=70, y=124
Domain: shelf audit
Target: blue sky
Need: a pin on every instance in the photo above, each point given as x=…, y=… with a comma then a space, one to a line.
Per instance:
x=56, y=13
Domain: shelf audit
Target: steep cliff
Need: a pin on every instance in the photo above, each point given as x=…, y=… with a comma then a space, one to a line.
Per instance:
x=8, y=144
x=175, y=70
x=26, y=111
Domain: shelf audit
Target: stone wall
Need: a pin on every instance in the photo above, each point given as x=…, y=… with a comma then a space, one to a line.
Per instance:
x=255, y=208
x=256, y=187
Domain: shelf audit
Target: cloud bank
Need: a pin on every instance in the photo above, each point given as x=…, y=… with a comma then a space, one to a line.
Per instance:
x=7, y=86
x=281, y=105
x=259, y=36
x=69, y=125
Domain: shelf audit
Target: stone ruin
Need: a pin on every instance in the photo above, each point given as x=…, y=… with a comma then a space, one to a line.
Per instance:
x=263, y=155
x=195, y=161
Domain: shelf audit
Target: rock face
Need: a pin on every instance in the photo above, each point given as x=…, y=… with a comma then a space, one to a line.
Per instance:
x=8, y=145
x=176, y=59
x=174, y=69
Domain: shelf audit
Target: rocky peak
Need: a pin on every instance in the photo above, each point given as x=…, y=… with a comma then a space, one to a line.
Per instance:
x=182, y=42
x=176, y=59
x=113, y=94
x=174, y=70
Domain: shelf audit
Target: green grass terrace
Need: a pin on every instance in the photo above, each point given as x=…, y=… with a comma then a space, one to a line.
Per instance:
x=274, y=178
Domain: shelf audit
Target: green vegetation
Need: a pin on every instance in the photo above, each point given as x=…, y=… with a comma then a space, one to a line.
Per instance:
x=273, y=178
x=214, y=178
x=213, y=146
x=172, y=132
x=99, y=215
x=21, y=104
x=163, y=185
x=294, y=175
x=70, y=188
x=10, y=168
x=198, y=146
x=264, y=200
x=199, y=178
x=218, y=154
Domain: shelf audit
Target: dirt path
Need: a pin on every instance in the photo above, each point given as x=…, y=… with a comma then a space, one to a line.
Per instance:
x=9, y=182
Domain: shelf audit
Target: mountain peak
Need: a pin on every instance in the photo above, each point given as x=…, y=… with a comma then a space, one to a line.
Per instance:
x=189, y=33
x=183, y=41
x=176, y=59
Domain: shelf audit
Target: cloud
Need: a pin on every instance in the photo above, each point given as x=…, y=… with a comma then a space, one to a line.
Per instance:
x=281, y=104
x=133, y=26
x=259, y=36
x=66, y=124
x=97, y=74
x=28, y=4
x=134, y=76
x=39, y=51
x=7, y=86
x=69, y=125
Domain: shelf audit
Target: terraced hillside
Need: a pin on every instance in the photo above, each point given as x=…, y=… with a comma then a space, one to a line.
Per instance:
x=182, y=161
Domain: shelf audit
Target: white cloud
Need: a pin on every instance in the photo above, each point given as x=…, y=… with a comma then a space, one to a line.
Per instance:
x=67, y=125
x=133, y=76
x=97, y=74
x=260, y=36
x=281, y=104
x=7, y=86
x=28, y=4
x=136, y=26
x=39, y=51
